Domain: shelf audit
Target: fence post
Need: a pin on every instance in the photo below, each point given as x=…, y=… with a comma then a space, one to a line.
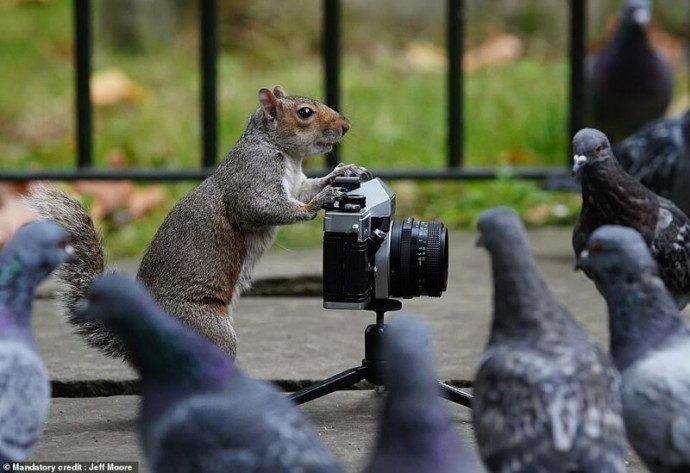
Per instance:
x=209, y=103
x=578, y=30
x=331, y=64
x=82, y=59
x=455, y=36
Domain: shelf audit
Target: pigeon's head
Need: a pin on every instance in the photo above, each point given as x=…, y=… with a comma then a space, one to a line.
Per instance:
x=115, y=300
x=40, y=247
x=637, y=12
x=589, y=145
x=499, y=226
x=410, y=369
x=615, y=251
x=408, y=343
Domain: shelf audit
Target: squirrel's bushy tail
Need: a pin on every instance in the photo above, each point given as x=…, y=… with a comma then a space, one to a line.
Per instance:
x=74, y=277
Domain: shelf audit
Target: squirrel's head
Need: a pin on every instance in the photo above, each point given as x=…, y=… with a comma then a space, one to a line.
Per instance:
x=300, y=125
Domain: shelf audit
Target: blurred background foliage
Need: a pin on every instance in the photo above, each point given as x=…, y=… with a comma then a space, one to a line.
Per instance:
x=146, y=92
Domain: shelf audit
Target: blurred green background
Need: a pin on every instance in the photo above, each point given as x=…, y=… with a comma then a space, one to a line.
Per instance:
x=146, y=90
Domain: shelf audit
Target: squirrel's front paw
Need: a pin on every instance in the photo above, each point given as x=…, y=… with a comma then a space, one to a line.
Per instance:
x=330, y=194
x=350, y=170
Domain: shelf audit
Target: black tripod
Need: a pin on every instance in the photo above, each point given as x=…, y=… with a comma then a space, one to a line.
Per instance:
x=372, y=365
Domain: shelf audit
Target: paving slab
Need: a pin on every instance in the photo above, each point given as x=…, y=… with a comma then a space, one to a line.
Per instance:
x=104, y=429
x=296, y=338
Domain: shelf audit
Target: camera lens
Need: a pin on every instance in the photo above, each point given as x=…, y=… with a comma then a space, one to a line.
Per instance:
x=418, y=258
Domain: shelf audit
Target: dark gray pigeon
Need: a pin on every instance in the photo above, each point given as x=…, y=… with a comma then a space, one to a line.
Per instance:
x=29, y=257
x=546, y=396
x=658, y=155
x=200, y=413
x=416, y=432
x=650, y=344
x=630, y=83
x=610, y=196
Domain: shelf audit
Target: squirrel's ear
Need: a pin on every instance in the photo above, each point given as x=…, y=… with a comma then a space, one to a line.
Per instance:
x=279, y=92
x=268, y=103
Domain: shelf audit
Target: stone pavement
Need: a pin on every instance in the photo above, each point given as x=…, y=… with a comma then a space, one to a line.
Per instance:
x=293, y=339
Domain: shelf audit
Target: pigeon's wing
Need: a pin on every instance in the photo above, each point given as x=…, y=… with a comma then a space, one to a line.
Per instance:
x=600, y=445
x=24, y=400
x=656, y=396
x=527, y=413
x=584, y=225
x=671, y=249
x=218, y=434
x=524, y=412
x=653, y=154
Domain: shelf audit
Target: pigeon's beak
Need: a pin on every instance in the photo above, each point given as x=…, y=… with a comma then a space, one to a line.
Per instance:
x=582, y=261
x=579, y=160
x=642, y=16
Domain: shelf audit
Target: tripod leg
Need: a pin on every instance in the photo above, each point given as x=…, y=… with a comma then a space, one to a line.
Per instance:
x=340, y=381
x=455, y=395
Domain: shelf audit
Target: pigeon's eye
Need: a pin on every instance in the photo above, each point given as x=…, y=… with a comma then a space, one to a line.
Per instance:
x=305, y=112
x=599, y=149
x=61, y=244
x=596, y=248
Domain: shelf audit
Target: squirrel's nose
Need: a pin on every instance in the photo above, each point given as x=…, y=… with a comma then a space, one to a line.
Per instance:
x=345, y=126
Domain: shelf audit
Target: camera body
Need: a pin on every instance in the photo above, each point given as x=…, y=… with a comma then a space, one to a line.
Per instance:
x=368, y=256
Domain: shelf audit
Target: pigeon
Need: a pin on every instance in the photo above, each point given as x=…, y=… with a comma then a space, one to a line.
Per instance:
x=546, y=396
x=630, y=83
x=416, y=432
x=650, y=345
x=610, y=196
x=199, y=411
x=27, y=259
x=658, y=155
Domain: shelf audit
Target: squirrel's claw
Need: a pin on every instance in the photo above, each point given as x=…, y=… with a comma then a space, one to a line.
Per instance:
x=350, y=170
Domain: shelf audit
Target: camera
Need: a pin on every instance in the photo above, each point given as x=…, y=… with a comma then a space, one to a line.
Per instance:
x=368, y=256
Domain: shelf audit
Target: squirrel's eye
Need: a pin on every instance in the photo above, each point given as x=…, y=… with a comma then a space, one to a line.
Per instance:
x=305, y=112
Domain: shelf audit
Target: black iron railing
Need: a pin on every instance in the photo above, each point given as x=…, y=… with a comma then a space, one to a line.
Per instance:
x=455, y=13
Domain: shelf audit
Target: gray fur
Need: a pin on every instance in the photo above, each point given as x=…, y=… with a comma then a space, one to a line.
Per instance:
x=75, y=276
x=203, y=255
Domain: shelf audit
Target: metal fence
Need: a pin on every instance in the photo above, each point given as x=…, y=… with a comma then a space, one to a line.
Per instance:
x=455, y=14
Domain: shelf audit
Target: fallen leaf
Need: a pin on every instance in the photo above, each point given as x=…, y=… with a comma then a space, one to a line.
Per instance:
x=112, y=86
x=145, y=200
x=423, y=57
x=496, y=50
x=518, y=157
x=108, y=196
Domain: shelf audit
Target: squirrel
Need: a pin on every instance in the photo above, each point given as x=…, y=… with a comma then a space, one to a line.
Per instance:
x=202, y=256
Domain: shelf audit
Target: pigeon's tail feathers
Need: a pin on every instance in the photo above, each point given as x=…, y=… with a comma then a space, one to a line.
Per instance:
x=74, y=277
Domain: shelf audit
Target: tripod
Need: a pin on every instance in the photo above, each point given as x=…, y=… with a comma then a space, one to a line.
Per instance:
x=372, y=367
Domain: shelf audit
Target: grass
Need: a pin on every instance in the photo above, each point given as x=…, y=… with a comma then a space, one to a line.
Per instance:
x=515, y=114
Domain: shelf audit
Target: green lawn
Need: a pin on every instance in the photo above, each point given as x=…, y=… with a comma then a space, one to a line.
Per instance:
x=514, y=114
